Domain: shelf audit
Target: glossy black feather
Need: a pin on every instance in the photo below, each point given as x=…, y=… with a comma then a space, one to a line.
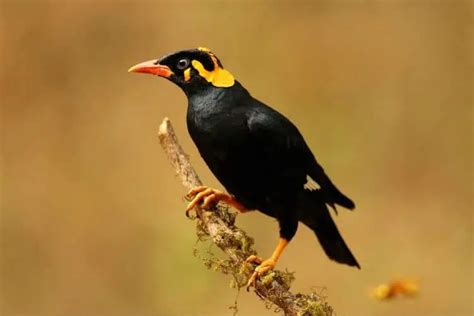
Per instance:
x=315, y=215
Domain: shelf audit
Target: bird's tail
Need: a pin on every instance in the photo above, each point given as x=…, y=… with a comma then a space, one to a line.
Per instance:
x=331, y=193
x=337, y=196
x=315, y=215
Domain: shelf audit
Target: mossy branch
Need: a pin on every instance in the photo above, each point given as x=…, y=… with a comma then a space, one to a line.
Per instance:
x=218, y=224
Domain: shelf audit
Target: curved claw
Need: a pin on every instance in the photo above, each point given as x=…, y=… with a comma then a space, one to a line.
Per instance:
x=251, y=282
x=187, y=213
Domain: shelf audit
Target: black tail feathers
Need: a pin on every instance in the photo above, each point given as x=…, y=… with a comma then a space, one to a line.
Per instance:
x=331, y=192
x=338, y=197
x=317, y=217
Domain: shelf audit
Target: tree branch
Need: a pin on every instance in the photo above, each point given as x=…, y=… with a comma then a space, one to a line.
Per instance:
x=218, y=224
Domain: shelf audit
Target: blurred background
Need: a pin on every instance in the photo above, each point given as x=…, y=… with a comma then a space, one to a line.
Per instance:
x=92, y=216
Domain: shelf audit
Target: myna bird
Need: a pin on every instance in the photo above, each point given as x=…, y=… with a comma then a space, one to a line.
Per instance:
x=257, y=154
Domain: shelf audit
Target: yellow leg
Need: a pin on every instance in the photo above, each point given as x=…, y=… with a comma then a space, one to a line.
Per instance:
x=208, y=197
x=268, y=264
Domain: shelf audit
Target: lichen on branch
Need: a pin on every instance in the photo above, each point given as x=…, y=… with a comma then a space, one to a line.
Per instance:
x=218, y=224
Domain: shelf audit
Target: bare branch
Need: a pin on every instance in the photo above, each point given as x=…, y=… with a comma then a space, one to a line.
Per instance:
x=218, y=224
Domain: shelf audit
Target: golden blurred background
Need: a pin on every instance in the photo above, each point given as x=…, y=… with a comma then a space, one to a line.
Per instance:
x=92, y=216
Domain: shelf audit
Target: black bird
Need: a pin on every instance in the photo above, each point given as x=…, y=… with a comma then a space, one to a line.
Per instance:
x=258, y=155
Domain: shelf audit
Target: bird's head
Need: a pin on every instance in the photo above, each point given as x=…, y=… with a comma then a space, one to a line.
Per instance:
x=190, y=69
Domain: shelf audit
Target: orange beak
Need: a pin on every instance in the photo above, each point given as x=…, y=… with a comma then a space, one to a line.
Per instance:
x=152, y=67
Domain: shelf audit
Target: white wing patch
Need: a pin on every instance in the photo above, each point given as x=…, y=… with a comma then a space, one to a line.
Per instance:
x=310, y=184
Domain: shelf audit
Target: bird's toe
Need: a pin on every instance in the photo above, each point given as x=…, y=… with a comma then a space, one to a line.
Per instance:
x=192, y=193
x=254, y=259
x=264, y=267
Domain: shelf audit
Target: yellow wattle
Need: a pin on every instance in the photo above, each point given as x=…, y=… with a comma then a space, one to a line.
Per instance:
x=219, y=77
x=187, y=74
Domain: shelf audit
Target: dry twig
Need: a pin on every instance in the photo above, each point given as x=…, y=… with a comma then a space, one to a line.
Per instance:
x=218, y=224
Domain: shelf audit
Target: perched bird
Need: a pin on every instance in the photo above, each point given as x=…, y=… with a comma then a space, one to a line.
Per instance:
x=257, y=154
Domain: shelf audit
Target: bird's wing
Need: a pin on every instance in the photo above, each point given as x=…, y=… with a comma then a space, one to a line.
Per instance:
x=286, y=151
x=280, y=144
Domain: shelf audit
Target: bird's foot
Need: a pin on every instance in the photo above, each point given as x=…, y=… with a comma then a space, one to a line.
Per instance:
x=263, y=267
x=205, y=197
x=254, y=259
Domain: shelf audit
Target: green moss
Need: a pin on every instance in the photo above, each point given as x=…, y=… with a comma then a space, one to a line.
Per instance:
x=201, y=231
x=246, y=244
x=284, y=278
x=313, y=305
x=312, y=308
x=242, y=245
x=226, y=214
x=267, y=278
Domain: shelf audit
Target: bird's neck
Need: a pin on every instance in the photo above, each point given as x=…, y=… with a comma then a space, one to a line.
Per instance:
x=212, y=98
x=212, y=104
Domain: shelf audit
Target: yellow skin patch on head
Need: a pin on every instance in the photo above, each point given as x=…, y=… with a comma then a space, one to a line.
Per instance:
x=219, y=77
x=187, y=74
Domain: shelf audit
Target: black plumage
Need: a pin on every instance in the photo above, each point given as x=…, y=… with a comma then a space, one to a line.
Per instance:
x=257, y=154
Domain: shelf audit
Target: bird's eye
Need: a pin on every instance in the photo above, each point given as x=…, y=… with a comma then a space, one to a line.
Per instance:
x=183, y=63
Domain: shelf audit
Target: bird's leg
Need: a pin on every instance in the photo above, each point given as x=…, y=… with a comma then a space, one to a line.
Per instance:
x=208, y=197
x=266, y=265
